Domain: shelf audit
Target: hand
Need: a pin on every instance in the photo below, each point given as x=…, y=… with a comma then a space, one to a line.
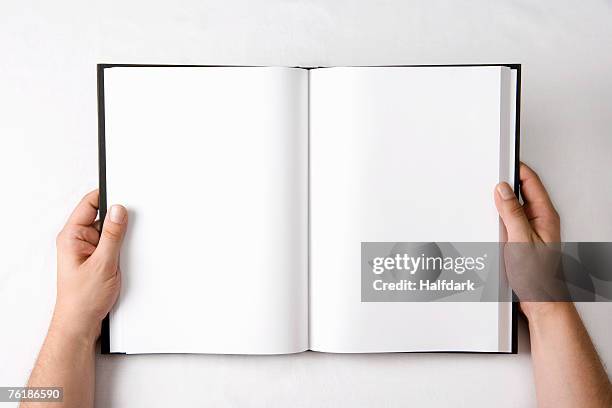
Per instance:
x=88, y=275
x=531, y=264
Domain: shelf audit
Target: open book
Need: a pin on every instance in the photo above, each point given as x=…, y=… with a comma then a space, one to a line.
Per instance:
x=251, y=189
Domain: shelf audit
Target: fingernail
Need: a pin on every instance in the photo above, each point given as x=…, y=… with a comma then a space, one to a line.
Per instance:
x=505, y=191
x=117, y=214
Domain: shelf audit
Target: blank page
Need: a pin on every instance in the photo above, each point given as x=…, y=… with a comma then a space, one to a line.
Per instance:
x=212, y=166
x=402, y=154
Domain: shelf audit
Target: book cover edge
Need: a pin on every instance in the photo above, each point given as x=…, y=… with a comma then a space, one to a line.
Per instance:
x=102, y=204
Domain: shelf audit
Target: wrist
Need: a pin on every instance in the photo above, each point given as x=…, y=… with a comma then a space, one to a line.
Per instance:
x=72, y=328
x=538, y=311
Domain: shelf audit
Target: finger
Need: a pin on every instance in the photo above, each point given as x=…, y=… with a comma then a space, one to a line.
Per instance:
x=538, y=207
x=86, y=211
x=511, y=213
x=76, y=242
x=80, y=233
x=534, y=193
x=82, y=250
x=90, y=235
x=113, y=231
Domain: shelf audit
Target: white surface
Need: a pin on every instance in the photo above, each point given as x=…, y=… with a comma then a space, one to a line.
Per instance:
x=214, y=164
x=48, y=160
x=390, y=148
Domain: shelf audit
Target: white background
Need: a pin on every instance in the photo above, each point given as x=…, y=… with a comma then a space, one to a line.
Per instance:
x=48, y=159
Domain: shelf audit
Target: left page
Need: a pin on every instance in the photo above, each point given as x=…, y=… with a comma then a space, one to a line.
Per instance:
x=212, y=165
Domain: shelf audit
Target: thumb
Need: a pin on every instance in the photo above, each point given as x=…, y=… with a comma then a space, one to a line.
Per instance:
x=512, y=214
x=112, y=234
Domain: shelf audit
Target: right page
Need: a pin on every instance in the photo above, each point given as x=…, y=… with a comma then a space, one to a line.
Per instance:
x=405, y=154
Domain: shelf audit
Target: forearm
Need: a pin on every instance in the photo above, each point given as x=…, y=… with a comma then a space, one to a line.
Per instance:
x=66, y=360
x=567, y=370
x=88, y=282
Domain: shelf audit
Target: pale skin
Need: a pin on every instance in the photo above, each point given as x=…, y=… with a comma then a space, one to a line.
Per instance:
x=567, y=370
x=88, y=282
